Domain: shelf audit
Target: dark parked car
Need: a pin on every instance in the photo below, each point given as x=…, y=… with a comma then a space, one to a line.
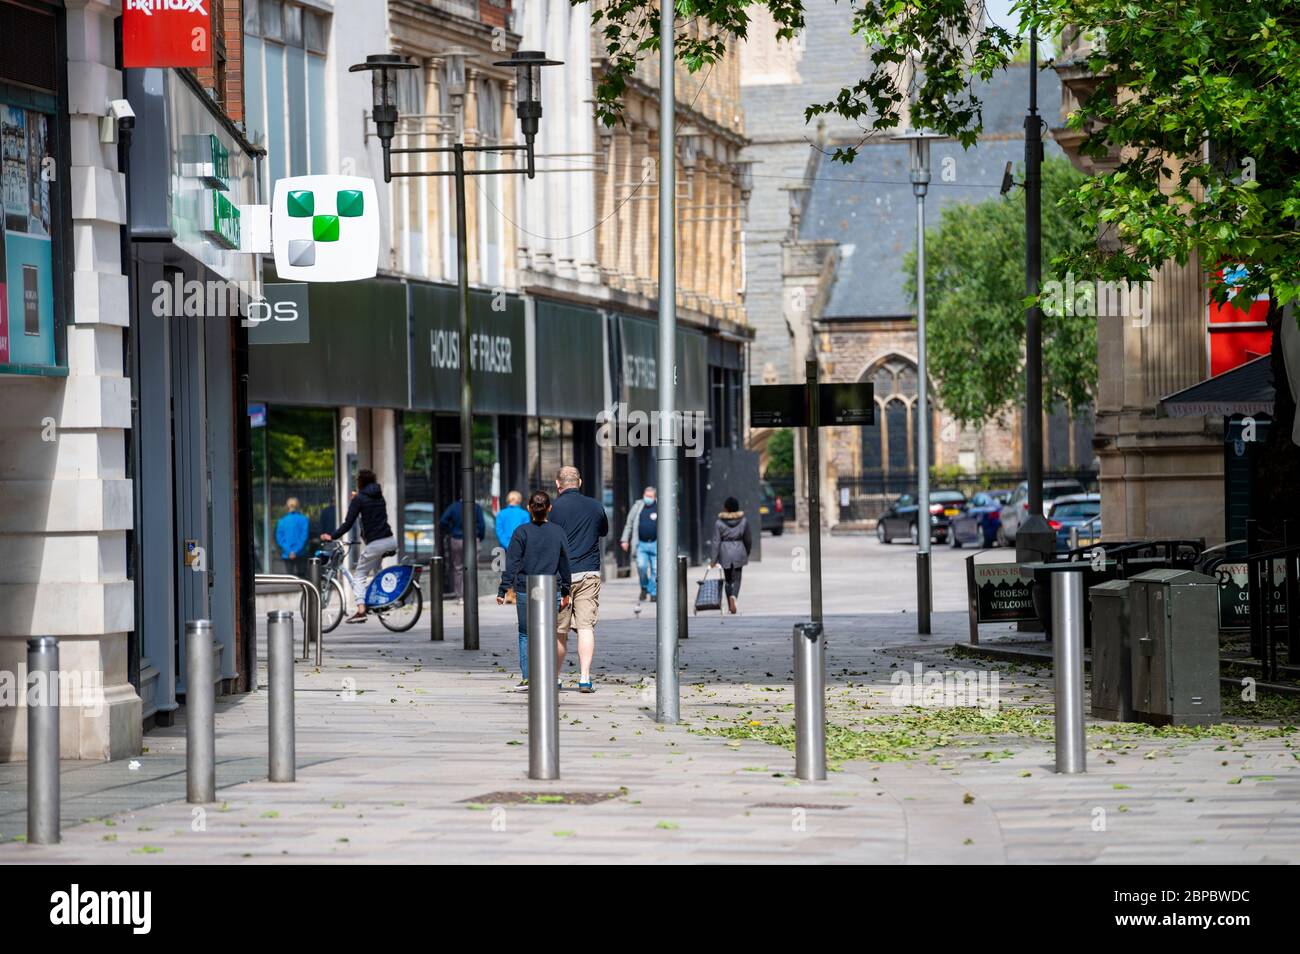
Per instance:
x=770, y=509
x=1081, y=511
x=978, y=522
x=1016, y=509
x=900, y=519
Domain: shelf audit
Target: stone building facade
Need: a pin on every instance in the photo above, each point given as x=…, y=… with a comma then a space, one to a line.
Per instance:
x=1160, y=476
x=596, y=232
x=843, y=301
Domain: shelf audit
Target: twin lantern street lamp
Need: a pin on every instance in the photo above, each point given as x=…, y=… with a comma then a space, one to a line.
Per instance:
x=383, y=69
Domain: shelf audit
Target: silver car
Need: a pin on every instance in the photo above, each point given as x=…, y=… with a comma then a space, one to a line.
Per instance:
x=1017, y=508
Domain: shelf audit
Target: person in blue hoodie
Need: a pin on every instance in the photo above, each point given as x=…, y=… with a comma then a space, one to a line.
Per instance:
x=291, y=537
x=510, y=517
x=537, y=548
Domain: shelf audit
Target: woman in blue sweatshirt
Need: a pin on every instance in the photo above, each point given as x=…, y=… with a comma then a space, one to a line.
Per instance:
x=537, y=548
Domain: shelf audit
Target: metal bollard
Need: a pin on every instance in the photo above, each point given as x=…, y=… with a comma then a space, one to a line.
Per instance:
x=200, y=714
x=924, y=599
x=543, y=692
x=435, y=599
x=43, y=741
x=1067, y=658
x=682, y=567
x=809, y=701
x=313, y=577
x=279, y=641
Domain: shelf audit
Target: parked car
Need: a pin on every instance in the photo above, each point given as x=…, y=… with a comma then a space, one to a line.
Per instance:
x=419, y=532
x=1016, y=509
x=900, y=519
x=770, y=509
x=417, y=523
x=1081, y=511
x=978, y=521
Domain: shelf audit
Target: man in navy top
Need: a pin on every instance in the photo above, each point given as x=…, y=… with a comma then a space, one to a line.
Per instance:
x=584, y=522
x=453, y=526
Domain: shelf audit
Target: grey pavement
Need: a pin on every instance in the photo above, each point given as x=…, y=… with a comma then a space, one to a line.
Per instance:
x=414, y=751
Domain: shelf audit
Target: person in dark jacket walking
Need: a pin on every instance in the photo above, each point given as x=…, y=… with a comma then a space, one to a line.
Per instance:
x=537, y=548
x=452, y=526
x=732, y=542
x=584, y=522
x=368, y=504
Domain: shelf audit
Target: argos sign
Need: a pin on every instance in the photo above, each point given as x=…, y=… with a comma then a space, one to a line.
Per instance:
x=166, y=33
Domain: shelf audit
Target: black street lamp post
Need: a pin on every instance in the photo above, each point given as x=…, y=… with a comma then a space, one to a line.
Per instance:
x=1034, y=537
x=527, y=65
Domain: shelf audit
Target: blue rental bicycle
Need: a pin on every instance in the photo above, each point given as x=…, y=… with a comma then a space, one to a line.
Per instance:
x=393, y=595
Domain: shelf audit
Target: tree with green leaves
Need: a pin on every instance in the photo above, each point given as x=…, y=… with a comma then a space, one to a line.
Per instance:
x=1198, y=100
x=975, y=279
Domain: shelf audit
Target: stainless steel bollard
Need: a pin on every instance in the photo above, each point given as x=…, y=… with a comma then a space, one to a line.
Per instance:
x=924, y=597
x=682, y=567
x=200, y=714
x=313, y=577
x=543, y=692
x=279, y=642
x=435, y=599
x=43, y=740
x=809, y=701
x=1067, y=656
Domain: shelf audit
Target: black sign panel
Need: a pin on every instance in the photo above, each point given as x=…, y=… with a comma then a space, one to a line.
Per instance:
x=786, y=405
x=570, y=365
x=498, y=350
x=778, y=405
x=1000, y=594
x=848, y=404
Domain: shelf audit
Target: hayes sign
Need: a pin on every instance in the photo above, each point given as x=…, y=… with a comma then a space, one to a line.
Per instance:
x=166, y=33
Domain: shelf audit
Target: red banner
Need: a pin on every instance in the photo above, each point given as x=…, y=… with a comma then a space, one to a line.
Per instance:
x=166, y=33
x=1238, y=328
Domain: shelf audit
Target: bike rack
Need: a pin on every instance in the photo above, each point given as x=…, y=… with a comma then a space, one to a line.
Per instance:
x=311, y=620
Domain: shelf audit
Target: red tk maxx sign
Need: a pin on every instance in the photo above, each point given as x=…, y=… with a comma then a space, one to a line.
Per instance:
x=166, y=33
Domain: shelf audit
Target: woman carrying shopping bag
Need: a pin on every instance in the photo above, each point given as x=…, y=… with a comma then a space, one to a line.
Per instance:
x=732, y=542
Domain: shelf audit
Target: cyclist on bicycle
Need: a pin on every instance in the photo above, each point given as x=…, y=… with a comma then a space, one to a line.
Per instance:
x=368, y=504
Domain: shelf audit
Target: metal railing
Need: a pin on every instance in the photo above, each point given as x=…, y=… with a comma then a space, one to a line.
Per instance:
x=311, y=615
x=1274, y=603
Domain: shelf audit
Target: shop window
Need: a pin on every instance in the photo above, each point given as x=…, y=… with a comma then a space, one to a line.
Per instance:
x=411, y=195
x=284, y=78
x=294, y=459
x=419, y=498
x=491, y=252
x=31, y=220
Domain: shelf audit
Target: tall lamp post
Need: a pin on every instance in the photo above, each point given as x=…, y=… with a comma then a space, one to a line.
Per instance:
x=919, y=149
x=667, y=697
x=1035, y=539
x=527, y=64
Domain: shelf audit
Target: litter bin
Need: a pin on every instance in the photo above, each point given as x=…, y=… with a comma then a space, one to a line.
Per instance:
x=1112, y=669
x=1174, y=647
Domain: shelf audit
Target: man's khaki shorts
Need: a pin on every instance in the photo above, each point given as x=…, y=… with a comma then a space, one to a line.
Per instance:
x=584, y=600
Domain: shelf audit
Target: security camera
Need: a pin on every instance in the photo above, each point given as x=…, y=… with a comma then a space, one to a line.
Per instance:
x=120, y=109
x=120, y=116
x=1007, y=181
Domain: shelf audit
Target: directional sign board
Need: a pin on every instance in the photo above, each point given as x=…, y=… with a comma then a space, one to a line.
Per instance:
x=778, y=405
x=786, y=405
x=848, y=404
